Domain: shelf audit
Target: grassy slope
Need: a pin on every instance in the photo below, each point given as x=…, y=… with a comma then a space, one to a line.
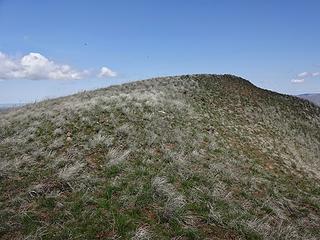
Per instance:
x=190, y=157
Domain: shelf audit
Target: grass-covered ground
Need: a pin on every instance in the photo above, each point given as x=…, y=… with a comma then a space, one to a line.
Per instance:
x=187, y=157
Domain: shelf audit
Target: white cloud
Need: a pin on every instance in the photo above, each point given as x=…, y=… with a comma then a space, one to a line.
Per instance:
x=300, y=78
x=303, y=74
x=297, y=80
x=35, y=66
x=106, y=72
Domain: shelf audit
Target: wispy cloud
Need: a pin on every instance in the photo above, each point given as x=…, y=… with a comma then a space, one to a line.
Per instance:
x=303, y=74
x=297, y=80
x=300, y=78
x=34, y=66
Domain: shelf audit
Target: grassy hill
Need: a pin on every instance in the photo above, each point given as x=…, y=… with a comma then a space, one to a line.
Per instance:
x=185, y=157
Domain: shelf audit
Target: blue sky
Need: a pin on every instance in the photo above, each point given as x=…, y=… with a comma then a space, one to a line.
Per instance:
x=274, y=44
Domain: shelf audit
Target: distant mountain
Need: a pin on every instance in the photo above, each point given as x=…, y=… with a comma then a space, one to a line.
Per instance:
x=315, y=97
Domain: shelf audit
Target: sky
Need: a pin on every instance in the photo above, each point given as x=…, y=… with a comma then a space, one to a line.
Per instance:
x=55, y=48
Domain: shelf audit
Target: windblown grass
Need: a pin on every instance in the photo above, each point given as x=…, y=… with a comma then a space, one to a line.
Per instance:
x=186, y=157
